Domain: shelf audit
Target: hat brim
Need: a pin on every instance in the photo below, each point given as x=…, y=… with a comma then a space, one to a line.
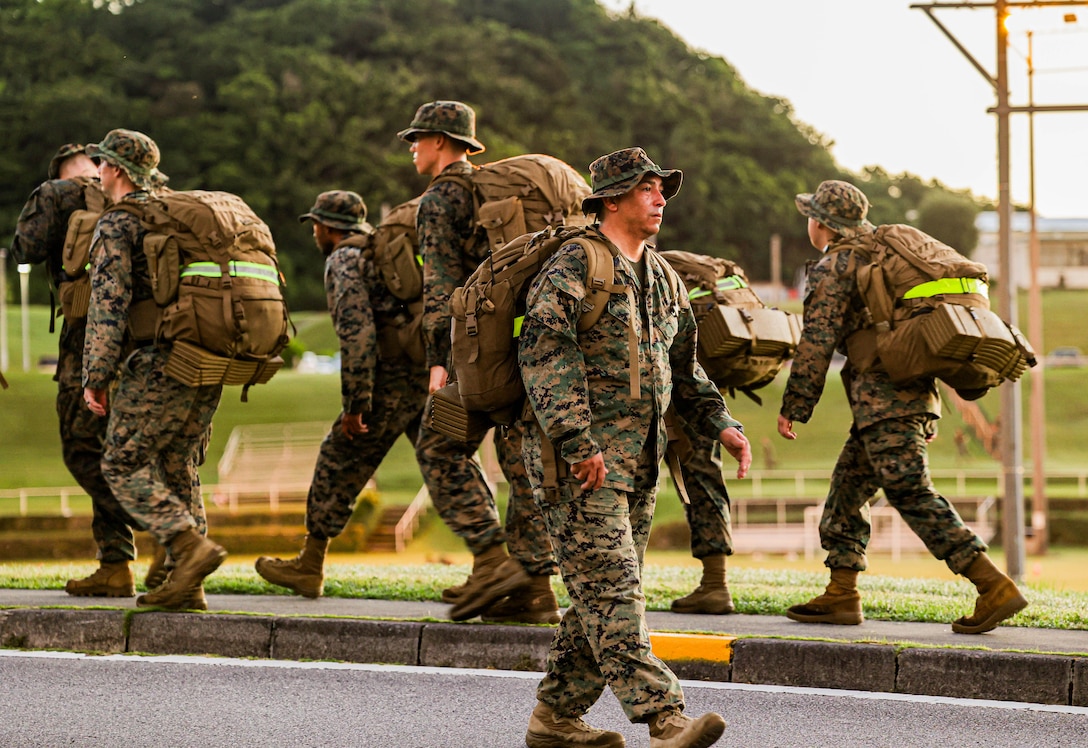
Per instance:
x=806, y=206
x=473, y=146
x=361, y=227
x=671, y=179
x=144, y=181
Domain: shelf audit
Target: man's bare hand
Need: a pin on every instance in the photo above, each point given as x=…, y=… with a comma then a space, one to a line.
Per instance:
x=785, y=428
x=97, y=400
x=352, y=424
x=591, y=472
x=439, y=375
x=736, y=444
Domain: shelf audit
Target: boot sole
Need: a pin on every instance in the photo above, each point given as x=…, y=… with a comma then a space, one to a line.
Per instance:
x=699, y=610
x=541, y=740
x=551, y=619
x=102, y=593
x=1008, y=610
x=708, y=737
x=838, y=619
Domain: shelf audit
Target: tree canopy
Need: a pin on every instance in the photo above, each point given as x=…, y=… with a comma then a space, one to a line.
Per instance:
x=278, y=100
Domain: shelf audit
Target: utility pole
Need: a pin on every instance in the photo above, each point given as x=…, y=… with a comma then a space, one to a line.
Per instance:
x=1011, y=433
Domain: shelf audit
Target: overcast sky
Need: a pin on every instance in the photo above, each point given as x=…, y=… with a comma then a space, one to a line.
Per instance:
x=888, y=87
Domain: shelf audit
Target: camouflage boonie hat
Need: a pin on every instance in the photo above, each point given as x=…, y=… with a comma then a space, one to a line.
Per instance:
x=65, y=151
x=618, y=173
x=450, y=118
x=840, y=206
x=338, y=209
x=133, y=152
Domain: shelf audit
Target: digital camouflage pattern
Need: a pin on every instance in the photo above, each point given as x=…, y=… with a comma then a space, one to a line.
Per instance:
x=584, y=407
x=618, y=172
x=39, y=238
x=708, y=510
x=157, y=426
x=135, y=153
x=886, y=447
x=445, y=222
x=389, y=391
x=840, y=206
x=449, y=117
x=579, y=388
x=338, y=209
x=891, y=454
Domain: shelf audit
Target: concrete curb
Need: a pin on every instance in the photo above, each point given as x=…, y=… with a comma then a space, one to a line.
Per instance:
x=884, y=667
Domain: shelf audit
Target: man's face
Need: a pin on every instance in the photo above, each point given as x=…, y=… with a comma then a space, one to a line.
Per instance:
x=108, y=173
x=322, y=238
x=641, y=209
x=818, y=234
x=425, y=152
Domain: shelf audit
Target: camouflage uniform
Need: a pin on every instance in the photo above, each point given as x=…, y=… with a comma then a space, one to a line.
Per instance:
x=579, y=388
x=708, y=510
x=157, y=426
x=377, y=381
x=886, y=446
x=446, y=224
x=39, y=237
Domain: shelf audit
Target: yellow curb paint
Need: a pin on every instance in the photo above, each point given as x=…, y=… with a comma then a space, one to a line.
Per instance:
x=692, y=647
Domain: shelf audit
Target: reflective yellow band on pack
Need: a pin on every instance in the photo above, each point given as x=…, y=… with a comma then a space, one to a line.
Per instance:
x=237, y=269
x=948, y=285
x=517, y=326
x=730, y=283
x=419, y=260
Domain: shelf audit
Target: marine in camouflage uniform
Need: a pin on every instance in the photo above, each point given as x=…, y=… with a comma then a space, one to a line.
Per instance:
x=443, y=134
x=593, y=453
x=39, y=238
x=157, y=425
x=382, y=389
x=887, y=444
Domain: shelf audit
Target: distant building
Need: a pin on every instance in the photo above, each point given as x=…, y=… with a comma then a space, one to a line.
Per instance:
x=1063, y=249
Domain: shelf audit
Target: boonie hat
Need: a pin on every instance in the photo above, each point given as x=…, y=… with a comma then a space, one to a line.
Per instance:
x=450, y=118
x=338, y=209
x=838, y=205
x=618, y=173
x=133, y=152
x=65, y=151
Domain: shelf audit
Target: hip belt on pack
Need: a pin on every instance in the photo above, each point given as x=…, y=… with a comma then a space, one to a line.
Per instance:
x=731, y=283
x=236, y=269
x=948, y=286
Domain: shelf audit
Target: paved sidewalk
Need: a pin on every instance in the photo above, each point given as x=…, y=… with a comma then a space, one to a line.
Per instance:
x=1010, y=663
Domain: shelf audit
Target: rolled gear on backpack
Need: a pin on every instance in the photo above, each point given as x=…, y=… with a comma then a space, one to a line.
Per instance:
x=743, y=344
x=930, y=312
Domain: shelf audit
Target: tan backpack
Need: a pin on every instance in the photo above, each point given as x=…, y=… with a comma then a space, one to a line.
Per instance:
x=217, y=288
x=75, y=292
x=930, y=314
x=394, y=249
x=743, y=344
x=523, y=194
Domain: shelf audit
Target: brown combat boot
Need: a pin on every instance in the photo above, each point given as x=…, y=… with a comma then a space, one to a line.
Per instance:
x=304, y=574
x=109, y=580
x=548, y=730
x=196, y=558
x=533, y=603
x=156, y=570
x=500, y=575
x=451, y=594
x=840, y=603
x=712, y=595
x=674, y=729
x=998, y=598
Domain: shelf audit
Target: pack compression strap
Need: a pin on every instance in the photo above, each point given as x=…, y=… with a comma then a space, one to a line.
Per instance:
x=948, y=286
x=238, y=269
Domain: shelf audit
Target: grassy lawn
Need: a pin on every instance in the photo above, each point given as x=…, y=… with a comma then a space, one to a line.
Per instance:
x=915, y=589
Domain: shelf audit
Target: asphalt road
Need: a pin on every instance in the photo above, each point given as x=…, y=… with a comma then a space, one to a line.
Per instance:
x=58, y=699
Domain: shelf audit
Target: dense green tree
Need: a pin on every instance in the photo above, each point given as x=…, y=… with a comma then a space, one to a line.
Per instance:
x=277, y=100
x=950, y=218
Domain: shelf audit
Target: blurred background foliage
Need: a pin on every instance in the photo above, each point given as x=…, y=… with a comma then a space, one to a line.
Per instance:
x=277, y=100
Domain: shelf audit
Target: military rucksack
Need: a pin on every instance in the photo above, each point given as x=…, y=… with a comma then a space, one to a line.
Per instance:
x=216, y=285
x=743, y=343
x=75, y=290
x=930, y=314
x=394, y=250
x=523, y=194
